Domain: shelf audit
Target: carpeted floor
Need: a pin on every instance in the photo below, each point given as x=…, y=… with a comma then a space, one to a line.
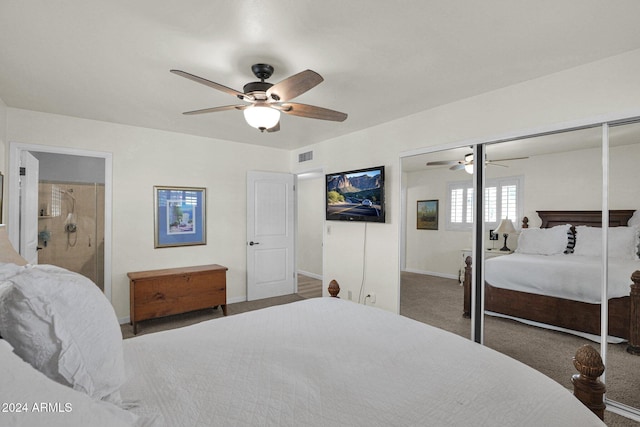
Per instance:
x=438, y=302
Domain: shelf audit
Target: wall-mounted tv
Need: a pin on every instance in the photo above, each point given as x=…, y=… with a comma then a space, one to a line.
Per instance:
x=356, y=195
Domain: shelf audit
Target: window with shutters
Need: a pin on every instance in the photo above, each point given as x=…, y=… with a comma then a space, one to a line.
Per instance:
x=502, y=199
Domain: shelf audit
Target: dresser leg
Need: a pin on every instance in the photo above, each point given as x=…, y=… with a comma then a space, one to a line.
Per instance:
x=224, y=309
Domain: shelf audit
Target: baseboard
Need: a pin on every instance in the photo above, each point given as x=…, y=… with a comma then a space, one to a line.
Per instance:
x=236, y=299
x=124, y=320
x=312, y=275
x=432, y=273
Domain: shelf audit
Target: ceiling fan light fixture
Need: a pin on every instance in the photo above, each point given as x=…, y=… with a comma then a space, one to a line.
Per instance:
x=261, y=118
x=468, y=167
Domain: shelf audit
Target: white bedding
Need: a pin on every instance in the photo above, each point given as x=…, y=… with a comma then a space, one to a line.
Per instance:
x=329, y=362
x=567, y=276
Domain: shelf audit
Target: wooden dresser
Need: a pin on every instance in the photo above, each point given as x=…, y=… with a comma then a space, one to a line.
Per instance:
x=158, y=293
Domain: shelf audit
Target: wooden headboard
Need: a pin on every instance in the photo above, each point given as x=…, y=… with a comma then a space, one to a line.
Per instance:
x=617, y=218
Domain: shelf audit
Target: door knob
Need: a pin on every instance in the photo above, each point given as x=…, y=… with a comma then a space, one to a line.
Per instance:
x=253, y=243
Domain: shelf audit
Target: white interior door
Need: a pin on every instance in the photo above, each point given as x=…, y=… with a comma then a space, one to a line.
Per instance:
x=270, y=235
x=29, y=207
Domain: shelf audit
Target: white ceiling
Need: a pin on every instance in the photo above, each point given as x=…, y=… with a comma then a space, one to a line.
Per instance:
x=110, y=60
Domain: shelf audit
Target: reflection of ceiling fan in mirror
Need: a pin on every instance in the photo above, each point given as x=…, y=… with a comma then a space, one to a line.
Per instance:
x=467, y=163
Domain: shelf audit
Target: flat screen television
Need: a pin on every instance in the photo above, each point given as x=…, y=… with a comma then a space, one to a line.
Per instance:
x=356, y=195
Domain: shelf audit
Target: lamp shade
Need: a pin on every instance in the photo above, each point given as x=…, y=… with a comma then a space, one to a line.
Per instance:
x=261, y=117
x=505, y=227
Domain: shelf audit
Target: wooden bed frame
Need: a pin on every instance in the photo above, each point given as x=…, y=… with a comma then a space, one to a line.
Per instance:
x=587, y=386
x=624, y=312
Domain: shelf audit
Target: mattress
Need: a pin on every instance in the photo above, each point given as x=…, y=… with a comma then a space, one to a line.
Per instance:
x=330, y=362
x=573, y=277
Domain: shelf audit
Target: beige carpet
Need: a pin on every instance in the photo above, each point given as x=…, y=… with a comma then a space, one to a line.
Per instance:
x=308, y=287
x=438, y=302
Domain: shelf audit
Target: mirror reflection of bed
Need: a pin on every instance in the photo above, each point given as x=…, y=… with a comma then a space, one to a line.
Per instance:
x=562, y=171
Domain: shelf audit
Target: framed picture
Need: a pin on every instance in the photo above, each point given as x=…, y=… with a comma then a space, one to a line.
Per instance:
x=427, y=214
x=179, y=216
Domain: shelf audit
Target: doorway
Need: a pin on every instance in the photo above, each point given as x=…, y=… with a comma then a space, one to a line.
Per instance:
x=72, y=222
x=310, y=205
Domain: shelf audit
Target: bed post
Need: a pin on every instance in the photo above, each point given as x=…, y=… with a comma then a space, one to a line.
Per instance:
x=334, y=289
x=467, y=288
x=586, y=385
x=634, y=315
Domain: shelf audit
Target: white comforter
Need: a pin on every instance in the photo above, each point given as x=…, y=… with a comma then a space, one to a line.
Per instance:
x=329, y=362
x=570, y=276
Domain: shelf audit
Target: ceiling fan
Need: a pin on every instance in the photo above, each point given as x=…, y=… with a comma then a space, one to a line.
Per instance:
x=467, y=163
x=265, y=101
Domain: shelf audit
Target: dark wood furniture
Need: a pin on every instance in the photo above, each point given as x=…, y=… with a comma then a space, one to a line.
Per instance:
x=624, y=312
x=158, y=293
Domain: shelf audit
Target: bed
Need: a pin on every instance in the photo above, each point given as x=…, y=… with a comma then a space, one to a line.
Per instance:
x=322, y=361
x=562, y=289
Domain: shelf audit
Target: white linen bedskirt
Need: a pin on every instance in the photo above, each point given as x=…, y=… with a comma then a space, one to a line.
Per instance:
x=330, y=362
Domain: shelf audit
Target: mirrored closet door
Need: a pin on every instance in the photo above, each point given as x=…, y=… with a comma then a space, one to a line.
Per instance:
x=534, y=188
x=622, y=374
x=437, y=237
x=543, y=201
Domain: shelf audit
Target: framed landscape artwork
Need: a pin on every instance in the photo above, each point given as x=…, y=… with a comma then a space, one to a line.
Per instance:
x=427, y=214
x=179, y=216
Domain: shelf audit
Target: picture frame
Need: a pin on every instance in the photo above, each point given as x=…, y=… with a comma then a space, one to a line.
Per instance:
x=427, y=215
x=179, y=216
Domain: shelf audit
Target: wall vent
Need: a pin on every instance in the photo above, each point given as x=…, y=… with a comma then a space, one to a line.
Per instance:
x=305, y=157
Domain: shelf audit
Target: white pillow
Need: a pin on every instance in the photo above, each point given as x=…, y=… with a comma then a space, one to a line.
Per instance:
x=62, y=324
x=543, y=241
x=588, y=241
x=64, y=406
x=623, y=242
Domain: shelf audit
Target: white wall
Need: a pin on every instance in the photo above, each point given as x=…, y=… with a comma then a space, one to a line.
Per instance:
x=3, y=147
x=597, y=89
x=143, y=158
x=311, y=213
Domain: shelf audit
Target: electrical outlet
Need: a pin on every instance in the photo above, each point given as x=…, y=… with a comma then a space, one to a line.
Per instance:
x=372, y=298
x=349, y=296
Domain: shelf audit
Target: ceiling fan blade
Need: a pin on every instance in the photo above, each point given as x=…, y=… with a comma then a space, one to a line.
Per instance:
x=213, y=85
x=443, y=163
x=294, y=86
x=276, y=128
x=312, y=112
x=502, y=160
x=216, y=109
x=457, y=167
x=496, y=164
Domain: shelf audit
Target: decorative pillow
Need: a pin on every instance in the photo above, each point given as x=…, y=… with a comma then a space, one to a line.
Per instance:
x=571, y=241
x=7, y=252
x=543, y=241
x=623, y=242
x=62, y=324
x=28, y=390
